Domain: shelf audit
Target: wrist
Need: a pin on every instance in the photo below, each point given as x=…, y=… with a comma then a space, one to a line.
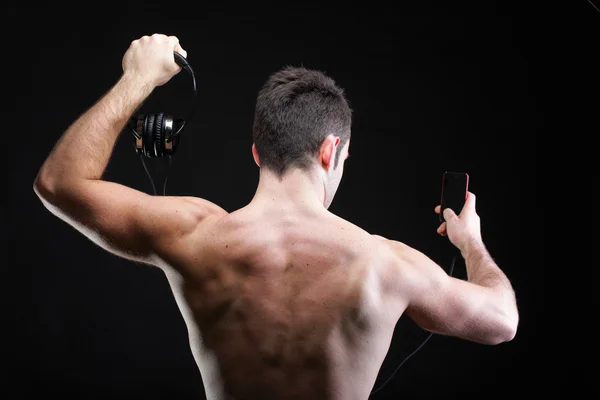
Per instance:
x=472, y=246
x=136, y=85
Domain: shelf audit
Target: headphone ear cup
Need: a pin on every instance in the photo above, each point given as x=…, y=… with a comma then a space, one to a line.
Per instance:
x=136, y=124
x=177, y=125
x=148, y=133
x=158, y=135
x=167, y=144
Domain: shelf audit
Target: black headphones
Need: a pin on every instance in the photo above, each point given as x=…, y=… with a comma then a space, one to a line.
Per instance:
x=157, y=134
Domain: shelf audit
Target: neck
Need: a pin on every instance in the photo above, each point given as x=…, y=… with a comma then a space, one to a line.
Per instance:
x=295, y=187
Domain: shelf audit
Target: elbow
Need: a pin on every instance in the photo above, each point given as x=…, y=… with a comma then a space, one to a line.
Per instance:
x=512, y=325
x=46, y=194
x=505, y=329
x=505, y=315
x=41, y=188
x=49, y=188
x=506, y=332
x=42, y=185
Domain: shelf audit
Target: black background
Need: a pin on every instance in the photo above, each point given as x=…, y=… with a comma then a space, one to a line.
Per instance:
x=433, y=88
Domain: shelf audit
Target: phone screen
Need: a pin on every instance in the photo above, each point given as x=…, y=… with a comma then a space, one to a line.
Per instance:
x=455, y=186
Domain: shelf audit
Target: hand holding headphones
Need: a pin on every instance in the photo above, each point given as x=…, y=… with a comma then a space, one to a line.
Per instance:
x=156, y=59
x=150, y=58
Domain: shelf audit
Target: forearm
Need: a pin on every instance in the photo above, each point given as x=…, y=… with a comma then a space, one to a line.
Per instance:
x=85, y=148
x=483, y=270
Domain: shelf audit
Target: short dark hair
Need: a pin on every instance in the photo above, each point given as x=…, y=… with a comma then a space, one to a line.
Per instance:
x=296, y=110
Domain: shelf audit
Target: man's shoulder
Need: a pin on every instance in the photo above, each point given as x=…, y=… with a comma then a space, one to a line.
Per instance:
x=204, y=204
x=390, y=242
x=399, y=251
x=203, y=210
x=374, y=241
x=380, y=238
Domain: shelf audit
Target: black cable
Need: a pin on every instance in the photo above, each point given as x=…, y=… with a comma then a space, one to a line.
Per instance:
x=193, y=104
x=418, y=348
x=150, y=176
x=167, y=177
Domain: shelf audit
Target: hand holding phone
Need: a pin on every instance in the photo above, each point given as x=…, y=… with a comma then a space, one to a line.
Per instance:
x=455, y=187
x=463, y=226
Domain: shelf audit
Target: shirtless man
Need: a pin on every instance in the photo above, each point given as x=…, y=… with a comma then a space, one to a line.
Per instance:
x=282, y=299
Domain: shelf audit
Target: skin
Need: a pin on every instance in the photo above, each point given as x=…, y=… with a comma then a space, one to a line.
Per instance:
x=282, y=299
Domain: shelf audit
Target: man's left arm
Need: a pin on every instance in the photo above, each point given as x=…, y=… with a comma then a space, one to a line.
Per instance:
x=124, y=221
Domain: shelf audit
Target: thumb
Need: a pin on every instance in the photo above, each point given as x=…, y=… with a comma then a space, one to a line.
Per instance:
x=470, y=201
x=449, y=214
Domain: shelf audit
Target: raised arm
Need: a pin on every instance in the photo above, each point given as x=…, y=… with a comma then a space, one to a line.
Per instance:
x=482, y=309
x=121, y=220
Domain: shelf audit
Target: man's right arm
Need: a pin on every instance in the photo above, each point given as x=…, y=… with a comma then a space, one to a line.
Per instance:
x=482, y=309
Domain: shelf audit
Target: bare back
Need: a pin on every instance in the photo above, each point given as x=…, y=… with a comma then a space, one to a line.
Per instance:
x=285, y=304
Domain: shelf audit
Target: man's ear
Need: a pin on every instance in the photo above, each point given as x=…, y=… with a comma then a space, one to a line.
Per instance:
x=255, y=155
x=327, y=152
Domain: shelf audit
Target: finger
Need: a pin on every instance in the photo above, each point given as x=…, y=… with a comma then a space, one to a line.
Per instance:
x=449, y=215
x=180, y=50
x=442, y=229
x=437, y=209
x=174, y=40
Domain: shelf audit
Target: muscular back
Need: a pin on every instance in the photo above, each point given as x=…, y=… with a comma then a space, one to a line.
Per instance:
x=287, y=304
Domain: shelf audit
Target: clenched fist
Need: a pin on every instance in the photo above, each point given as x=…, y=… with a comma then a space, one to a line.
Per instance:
x=150, y=58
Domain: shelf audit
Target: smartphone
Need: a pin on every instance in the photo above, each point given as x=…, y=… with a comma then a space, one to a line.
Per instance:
x=455, y=187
